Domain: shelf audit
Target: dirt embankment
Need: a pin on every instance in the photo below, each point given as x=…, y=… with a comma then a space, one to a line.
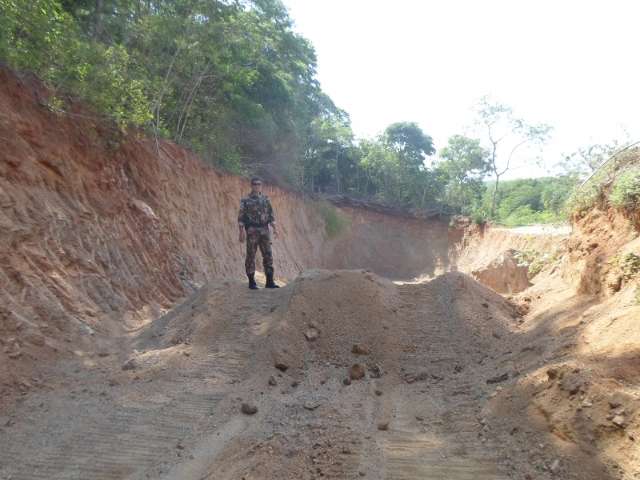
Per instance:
x=101, y=234
x=100, y=238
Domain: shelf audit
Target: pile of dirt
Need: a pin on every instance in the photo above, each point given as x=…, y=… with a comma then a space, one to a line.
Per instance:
x=504, y=274
x=104, y=232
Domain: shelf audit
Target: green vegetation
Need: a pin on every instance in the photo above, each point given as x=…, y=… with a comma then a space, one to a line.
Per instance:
x=529, y=201
x=616, y=183
x=625, y=192
x=535, y=260
x=334, y=221
x=628, y=264
x=231, y=80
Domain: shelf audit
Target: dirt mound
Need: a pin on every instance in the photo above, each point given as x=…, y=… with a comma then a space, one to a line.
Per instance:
x=103, y=233
x=504, y=274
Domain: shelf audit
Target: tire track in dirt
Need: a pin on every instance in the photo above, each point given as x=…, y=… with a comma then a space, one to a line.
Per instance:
x=142, y=427
x=435, y=433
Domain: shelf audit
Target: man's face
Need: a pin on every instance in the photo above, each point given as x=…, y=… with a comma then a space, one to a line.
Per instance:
x=256, y=187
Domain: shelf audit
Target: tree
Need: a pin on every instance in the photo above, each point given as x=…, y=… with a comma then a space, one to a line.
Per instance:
x=586, y=160
x=464, y=164
x=410, y=142
x=507, y=135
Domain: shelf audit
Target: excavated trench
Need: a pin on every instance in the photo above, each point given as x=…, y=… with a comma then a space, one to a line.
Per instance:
x=132, y=349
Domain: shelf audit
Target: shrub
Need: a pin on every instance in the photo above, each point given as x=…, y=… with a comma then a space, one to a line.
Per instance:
x=334, y=221
x=630, y=265
x=626, y=189
x=535, y=260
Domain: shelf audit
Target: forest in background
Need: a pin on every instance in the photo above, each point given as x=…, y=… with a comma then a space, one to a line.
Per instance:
x=233, y=81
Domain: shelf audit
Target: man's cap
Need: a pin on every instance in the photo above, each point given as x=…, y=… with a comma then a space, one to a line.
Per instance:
x=255, y=180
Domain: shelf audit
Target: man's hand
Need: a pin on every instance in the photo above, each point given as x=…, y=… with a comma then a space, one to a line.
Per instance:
x=242, y=235
x=275, y=231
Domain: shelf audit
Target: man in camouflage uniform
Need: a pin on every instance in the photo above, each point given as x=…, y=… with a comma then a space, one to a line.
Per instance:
x=256, y=214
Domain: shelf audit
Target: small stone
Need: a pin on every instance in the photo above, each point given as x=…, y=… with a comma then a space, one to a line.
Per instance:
x=499, y=378
x=357, y=371
x=346, y=381
x=311, y=405
x=130, y=364
x=555, y=466
x=311, y=334
x=383, y=426
x=295, y=383
x=375, y=371
x=281, y=365
x=552, y=373
x=359, y=349
x=272, y=381
x=419, y=418
x=378, y=393
x=249, y=409
x=619, y=421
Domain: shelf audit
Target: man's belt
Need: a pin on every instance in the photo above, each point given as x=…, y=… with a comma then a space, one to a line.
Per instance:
x=256, y=225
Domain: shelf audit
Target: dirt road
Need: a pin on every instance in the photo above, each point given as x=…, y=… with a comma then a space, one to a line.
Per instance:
x=166, y=402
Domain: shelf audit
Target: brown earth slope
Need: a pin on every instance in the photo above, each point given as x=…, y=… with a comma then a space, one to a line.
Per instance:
x=103, y=233
x=107, y=374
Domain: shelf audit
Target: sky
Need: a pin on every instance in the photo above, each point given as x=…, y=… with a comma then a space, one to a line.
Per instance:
x=572, y=64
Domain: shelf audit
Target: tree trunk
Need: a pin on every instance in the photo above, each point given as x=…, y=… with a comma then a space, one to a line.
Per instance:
x=97, y=26
x=494, y=197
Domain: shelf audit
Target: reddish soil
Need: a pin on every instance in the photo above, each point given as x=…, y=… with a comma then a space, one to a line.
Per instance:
x=129, y=342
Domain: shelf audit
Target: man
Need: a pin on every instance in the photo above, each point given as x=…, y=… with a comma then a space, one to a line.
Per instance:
x=256, y=214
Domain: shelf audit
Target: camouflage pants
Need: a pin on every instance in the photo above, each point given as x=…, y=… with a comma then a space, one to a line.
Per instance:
x=258, y=237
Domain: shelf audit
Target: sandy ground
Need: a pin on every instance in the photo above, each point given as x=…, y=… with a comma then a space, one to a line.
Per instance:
x=165, y=403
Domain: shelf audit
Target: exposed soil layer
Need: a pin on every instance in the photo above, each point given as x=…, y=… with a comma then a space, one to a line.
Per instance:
x=103, y=233
x=130, y=349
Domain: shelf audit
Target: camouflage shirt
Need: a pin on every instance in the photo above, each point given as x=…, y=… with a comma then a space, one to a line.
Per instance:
x=255, y=211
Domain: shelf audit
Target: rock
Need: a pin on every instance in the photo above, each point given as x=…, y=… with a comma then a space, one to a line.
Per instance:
x=130, y=364
x=248, y=409
x=357, y=371
x=311, y=334
x=619, y=421
x=419, y=377
x=378, y=392
x=572, y=384
x=295, y=383
x=555, y=466
x=499, y=378
x=552, y=373
x=272, y=381
x=375, y=371
x=383, y=426
x=346, y=381
x=281, y=363
x=619, y=399
x=311, y=404
x=359, y=349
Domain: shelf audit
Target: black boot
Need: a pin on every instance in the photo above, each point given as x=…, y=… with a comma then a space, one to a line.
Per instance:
x=270, y=282
x=252, y=281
